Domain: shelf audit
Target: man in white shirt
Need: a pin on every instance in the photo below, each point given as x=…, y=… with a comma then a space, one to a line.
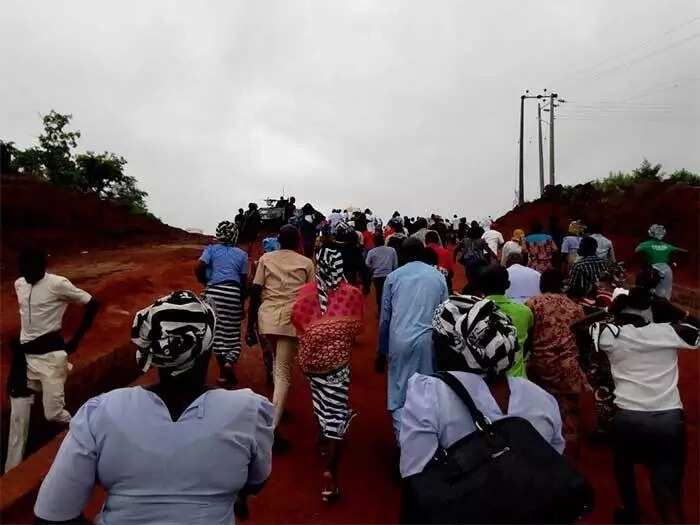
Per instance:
x=524, y=281
x=493, y=239
x=41, y=351
x=648, y=426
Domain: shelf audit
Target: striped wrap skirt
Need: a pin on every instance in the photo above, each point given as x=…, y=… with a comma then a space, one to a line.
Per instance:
x=226, y=299
x=330, y=393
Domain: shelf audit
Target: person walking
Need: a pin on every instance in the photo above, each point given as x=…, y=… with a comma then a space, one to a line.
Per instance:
x=524, y=281
x=223, y=270
x=514, y=245
x=410, y=297
x=381, y=261
x=278, y=278
x=40, y=355
x=493, y=283
x=174, y=452
x=657, y=254
x=494, y=240
x=328, y=317
x=475, y=253
x=605, y=250
x=570, y=244
x=476, y=343
x=540, y=248
x=648, y=427
x=586, y=271
x=444, y=256
x=553, y=363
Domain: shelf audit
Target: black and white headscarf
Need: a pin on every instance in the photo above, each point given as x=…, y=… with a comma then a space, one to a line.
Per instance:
x=173, y=332
x=329, y=274
x=227, y=233
x=479, y=331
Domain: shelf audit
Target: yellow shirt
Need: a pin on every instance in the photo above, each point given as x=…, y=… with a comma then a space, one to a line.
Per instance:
x=281, y=274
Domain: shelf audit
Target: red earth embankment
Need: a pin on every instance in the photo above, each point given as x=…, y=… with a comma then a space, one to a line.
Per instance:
x=63, y=222
x=625, y=217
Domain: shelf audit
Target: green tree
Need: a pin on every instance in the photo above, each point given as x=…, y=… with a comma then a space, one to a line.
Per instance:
x=104, y=175
x=648, y=172
x=57, y=144
x=683, y=176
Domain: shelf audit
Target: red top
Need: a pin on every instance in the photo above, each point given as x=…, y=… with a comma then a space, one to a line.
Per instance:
x=367, y=240
x=444, y=256
x=325, y=341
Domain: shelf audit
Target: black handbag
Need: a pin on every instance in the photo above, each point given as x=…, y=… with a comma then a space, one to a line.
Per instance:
x=504, y=472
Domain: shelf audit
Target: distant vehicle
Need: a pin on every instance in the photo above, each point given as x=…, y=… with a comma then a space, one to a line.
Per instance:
x=272, y=215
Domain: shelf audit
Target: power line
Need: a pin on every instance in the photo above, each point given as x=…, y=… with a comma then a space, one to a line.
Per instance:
x=587, y=69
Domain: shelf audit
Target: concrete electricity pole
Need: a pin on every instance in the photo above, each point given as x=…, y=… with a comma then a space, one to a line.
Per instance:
x=539, y=136
x=552, y=105
x=521, y=179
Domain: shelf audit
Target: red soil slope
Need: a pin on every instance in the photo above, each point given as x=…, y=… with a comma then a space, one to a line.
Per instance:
x=68, y=222
x=626, y=218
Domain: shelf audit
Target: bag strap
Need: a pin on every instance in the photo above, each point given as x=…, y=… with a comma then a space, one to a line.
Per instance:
x=480, y=420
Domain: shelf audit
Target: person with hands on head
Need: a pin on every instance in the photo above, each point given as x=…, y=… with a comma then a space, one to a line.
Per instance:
x=40, y=362
x=175, y=452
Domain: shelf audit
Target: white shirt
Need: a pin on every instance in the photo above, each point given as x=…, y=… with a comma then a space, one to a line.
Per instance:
x=494, y=239
x=156, y=470
x=644, y=364
x=433, y=415
x=524, y=283
x=509, y=248
x=41, y=306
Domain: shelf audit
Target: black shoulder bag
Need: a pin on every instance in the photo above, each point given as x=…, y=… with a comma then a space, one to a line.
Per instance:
x=504, y=472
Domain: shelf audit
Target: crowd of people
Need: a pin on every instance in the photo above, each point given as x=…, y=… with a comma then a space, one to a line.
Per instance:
x=544, y=316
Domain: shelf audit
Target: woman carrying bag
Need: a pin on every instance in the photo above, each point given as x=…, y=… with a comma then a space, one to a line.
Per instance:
x=473, y=432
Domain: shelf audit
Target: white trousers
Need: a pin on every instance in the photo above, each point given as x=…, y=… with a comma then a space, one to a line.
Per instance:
x=47, y=374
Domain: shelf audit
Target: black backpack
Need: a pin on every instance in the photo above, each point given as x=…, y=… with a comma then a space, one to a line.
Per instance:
x=504, y=472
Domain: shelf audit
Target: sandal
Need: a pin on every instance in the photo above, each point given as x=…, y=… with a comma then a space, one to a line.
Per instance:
x=329, y=495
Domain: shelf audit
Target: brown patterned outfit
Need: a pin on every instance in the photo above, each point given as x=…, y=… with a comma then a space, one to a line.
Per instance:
x=554, y=362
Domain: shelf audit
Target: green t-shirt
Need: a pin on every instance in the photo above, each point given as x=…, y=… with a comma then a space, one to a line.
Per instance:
x=523, y=320
x=656, y=251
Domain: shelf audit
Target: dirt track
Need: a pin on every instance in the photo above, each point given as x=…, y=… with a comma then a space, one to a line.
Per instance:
x=128, y=279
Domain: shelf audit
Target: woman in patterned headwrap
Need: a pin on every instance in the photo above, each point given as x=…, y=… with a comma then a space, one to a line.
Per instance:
x=328, y=317
x=175, y=452
x=223, y=269
x=657, y=254
x=476, y=343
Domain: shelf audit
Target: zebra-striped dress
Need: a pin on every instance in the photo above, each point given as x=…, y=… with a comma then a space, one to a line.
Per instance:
x=226, y=299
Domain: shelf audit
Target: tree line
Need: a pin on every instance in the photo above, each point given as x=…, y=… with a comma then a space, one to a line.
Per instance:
x=56, y=161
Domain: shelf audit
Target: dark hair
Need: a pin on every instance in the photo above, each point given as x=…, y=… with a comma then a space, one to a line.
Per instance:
x=430, y=256
x=551, y=281
x=648, y=278
x=514, y=258
x=432, y=236
x=378, y=238
x=412, y=250
x=288, y=237
x=421, y=223
x=536, y=227
x=494, y=280
x=638, y=298
x=588, y=246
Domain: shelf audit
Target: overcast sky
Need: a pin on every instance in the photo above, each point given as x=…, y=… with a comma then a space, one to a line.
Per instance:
x=384, y=104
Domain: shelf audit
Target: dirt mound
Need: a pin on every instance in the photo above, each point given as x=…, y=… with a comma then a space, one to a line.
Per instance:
x=626, y=216
x=66, y=222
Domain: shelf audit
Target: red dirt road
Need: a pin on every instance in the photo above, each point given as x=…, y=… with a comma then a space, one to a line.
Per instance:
x=367, y=473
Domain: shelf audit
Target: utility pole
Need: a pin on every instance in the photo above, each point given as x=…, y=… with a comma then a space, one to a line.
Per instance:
x=521, y=179
x=552, y=97
x=539, y=135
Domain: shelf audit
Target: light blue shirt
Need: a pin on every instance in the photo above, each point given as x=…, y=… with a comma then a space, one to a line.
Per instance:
x=225, y=263
x=157, y=471
x=433, y=415
x=411, y=295
x=381, y=261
